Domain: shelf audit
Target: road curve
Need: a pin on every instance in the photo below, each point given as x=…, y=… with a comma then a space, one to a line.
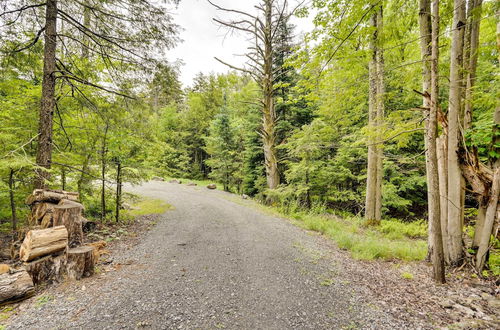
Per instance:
x=214, y=262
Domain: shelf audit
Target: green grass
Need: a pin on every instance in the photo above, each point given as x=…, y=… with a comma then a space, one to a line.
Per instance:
x=147, y=207
x=367, y=243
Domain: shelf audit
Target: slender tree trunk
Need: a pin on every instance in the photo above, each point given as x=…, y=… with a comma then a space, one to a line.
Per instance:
x=438, y=259
x=104, y=151
x=44, y=150
x=426, y=52
x=454, y=114
x=375, y=115
x=118, y=190
x=471, y=55
x=380, y=114
x=12, y=172
x=443, y=190
x=269, y=111
x=63, y=178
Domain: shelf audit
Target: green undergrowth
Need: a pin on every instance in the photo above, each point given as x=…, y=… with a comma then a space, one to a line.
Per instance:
x=391, y=240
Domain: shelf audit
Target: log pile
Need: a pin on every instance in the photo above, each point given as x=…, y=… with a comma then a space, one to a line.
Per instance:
x=53, y=249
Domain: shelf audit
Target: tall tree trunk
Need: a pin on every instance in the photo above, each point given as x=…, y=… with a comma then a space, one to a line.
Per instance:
x=44, y=150
x=442, y=150
x=426, y=53
x=380, y=114
x=471, y=55
x=12, y=200
x=375, y=114
x=104, y=151
x=455, y=192
x=269, y=111
x=118, y=190
x=438, y=259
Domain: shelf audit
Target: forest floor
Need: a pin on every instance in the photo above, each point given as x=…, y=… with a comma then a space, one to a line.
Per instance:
x=218, y=261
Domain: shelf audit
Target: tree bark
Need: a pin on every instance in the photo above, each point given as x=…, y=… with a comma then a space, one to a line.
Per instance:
x=438, y=259
x=70, y=216
x=80, y=262
x=15, y=285
x=455, y=192
x=12, y=199
x=51, y=196
x=443, y=191
x=269, y=111
x=375, y=113
x=104, y=151
x=45, y=125
x=380, y=114
x=42, y=242
x=471, y=55
x=118, y=190
x=47, y=269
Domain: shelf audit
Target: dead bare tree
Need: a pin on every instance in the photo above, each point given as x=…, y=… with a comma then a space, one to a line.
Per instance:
x=262, y=29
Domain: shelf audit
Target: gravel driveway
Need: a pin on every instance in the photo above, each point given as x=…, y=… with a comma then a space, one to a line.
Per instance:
x=214, y=262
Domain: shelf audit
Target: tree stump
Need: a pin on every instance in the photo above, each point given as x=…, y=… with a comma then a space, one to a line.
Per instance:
x=48, y=269
x=15, y=285
x=80, y=262
x=70, y=216
x=42, y=242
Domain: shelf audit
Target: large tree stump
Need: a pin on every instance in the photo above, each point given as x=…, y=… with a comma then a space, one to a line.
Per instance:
x=48, y=269
x=80, y=262
x=15, y=285
x=51, y=196
x=70, y=216
x=42, y=242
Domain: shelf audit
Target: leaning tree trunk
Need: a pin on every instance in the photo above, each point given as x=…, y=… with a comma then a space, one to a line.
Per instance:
x=269, y=111
x=455, y=192
x=44, y=149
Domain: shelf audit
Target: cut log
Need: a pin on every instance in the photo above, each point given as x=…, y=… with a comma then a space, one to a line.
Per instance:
x=41, y=213
x=42, y=242
x=15, y=285
x=70, y=216
x=80, y=262
x=48, y=269
x=51, y=196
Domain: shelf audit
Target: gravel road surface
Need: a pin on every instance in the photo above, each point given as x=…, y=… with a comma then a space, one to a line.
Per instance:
x=214, y=262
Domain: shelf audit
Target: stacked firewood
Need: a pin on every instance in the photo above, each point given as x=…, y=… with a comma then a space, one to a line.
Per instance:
x=53, y=249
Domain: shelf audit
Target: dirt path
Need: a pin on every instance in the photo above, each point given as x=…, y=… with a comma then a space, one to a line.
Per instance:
x=213, y=263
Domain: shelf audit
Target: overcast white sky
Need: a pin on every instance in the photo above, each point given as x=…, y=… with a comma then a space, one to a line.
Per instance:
x=204, y=39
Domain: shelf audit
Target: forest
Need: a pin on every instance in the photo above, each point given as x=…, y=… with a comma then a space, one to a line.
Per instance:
x=386, y=114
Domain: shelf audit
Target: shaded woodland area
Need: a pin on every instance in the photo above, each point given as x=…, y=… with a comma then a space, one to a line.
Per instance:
x=387, y=110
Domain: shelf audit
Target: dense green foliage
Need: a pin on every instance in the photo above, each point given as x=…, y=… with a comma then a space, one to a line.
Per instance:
x=150, y=125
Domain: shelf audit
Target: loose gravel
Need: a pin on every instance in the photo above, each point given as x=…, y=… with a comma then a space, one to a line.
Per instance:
x=212, y=263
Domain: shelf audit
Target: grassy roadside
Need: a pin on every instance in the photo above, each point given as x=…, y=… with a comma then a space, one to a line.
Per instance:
x=391, y=240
